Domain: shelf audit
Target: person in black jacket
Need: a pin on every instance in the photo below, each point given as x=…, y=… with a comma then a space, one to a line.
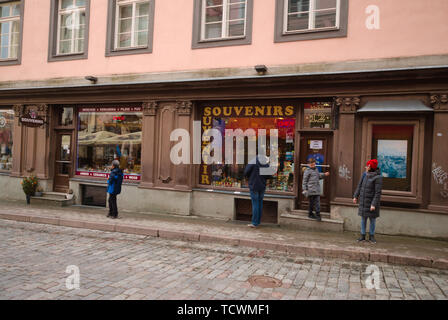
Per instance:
x=114, y=188
x=368, y=193
x=257, y=186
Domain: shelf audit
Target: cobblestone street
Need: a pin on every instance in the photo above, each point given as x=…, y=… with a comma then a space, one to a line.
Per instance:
x=34, y=261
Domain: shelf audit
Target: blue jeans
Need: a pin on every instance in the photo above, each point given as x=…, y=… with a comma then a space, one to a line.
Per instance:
x=257, y=206
x=364, y=224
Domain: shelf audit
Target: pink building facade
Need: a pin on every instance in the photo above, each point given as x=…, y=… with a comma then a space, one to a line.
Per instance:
x=85, y=82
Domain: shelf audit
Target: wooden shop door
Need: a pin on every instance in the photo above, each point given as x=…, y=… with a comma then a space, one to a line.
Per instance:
x=315, y=146
x=63, y=160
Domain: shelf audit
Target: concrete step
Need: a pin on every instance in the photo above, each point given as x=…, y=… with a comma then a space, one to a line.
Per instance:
x=54, y=199
x=300, y=221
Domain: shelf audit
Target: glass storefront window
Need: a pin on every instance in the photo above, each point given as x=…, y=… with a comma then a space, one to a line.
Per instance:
x=232, y=175
x=65, y=116
x=392, y=146
x=107, y=134
x=317, y=115
x=6, y=130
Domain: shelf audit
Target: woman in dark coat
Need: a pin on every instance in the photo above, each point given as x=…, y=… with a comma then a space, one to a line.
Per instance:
x=368, y=193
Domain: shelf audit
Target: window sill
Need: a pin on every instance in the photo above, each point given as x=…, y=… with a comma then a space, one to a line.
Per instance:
x=5, y=173
x=128, y=51
x=68, y=57
x=223, y=42
x=9, y=62
x=245, y=192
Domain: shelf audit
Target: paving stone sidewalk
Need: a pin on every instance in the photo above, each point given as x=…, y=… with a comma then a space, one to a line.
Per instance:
x=389, y=249
x=37, y=262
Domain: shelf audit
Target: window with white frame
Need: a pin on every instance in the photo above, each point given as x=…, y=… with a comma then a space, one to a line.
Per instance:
x=223, y=19
x=132, y=21
x=308, y=15
x=71, y=26
x=9, y=30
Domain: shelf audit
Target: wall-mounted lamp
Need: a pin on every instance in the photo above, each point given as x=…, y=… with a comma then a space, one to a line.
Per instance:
x=92, y=79
x=261, y=68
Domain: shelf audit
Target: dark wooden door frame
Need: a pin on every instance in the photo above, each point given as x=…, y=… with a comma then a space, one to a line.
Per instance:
x=56, y=147
x=301, y=202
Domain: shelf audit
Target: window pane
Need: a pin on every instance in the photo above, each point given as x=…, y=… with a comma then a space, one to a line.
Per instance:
x=65, y=4
x=213, y=14
x=80, y=3
x=125, y=25
x=392, y=146
x=80, y=45
x=6, y=134
x=65, y=46
x=214, y=3
x=213, y=31
x=142, y=23
x=4, y=52
x=124, y=40
x=236, y=28
x=67, y=20
x=325, y=4
x=126, y=12
x=5, y=11
x=325, y=19
x=107, y=136
x=141, y=38
x=142, y=9
x=298, y=5
x=16, y=10
x=298, y=21
x=231, y=175
x=14, y=51
x=4, y=28
x=65, y=148
x=4, y=42
x=80, y=32
x=65, y=116
x=66, y=34
x=82, y=18
x=237, y=11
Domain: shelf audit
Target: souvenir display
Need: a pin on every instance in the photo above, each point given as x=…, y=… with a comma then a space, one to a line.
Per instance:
x=6, y=129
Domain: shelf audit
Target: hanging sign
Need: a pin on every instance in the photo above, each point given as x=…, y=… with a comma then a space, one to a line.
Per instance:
x=316, y=144
x=31, y=119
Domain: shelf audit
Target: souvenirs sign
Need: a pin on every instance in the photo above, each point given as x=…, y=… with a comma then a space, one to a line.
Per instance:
x=31, y=119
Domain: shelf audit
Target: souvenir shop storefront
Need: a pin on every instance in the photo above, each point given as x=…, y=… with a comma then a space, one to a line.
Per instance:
x=69, y=144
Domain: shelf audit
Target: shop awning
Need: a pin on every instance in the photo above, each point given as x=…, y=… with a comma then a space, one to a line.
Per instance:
x=395, y=106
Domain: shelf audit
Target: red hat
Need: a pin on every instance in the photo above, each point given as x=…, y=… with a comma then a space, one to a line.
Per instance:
x=373, y=164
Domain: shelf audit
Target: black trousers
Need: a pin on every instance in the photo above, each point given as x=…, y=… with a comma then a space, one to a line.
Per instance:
x=113, y=209
x=314, y=204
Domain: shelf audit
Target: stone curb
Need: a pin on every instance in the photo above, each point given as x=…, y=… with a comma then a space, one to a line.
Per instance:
x=309, y=251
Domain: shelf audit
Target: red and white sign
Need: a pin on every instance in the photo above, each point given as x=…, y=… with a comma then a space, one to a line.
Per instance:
x=112, y=109
x=131, y=177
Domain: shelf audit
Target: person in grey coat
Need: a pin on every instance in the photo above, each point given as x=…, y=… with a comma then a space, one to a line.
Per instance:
x=311, y=188
x=368, y=194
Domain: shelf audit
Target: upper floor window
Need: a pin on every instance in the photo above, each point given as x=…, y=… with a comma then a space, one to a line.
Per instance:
x=10, y=32
x=130, y=26
x=71, y=26
x=222, y=23
x=310, y=19
x=69, y=29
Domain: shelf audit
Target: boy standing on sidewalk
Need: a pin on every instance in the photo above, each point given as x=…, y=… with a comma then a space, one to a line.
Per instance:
x=311, y=188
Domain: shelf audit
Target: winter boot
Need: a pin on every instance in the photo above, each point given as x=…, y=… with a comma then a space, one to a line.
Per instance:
x=362, y=238
x=372, y=238
x=312, y=216
x=318, y=217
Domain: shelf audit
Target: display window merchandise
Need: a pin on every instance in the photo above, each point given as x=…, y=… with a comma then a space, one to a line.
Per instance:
x=6, y=133
x=107, y=134
x=255, y=117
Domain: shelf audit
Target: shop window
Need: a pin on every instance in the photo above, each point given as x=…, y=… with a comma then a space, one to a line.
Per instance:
x=69, y=29
x=6, y=134
x=107, y=134
x=280, y=117
x=310, y=19
x=222, y=23
x=317, y=115
x=11, y=16
x=65, y=117
x=130, y=27
x=392, y=146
